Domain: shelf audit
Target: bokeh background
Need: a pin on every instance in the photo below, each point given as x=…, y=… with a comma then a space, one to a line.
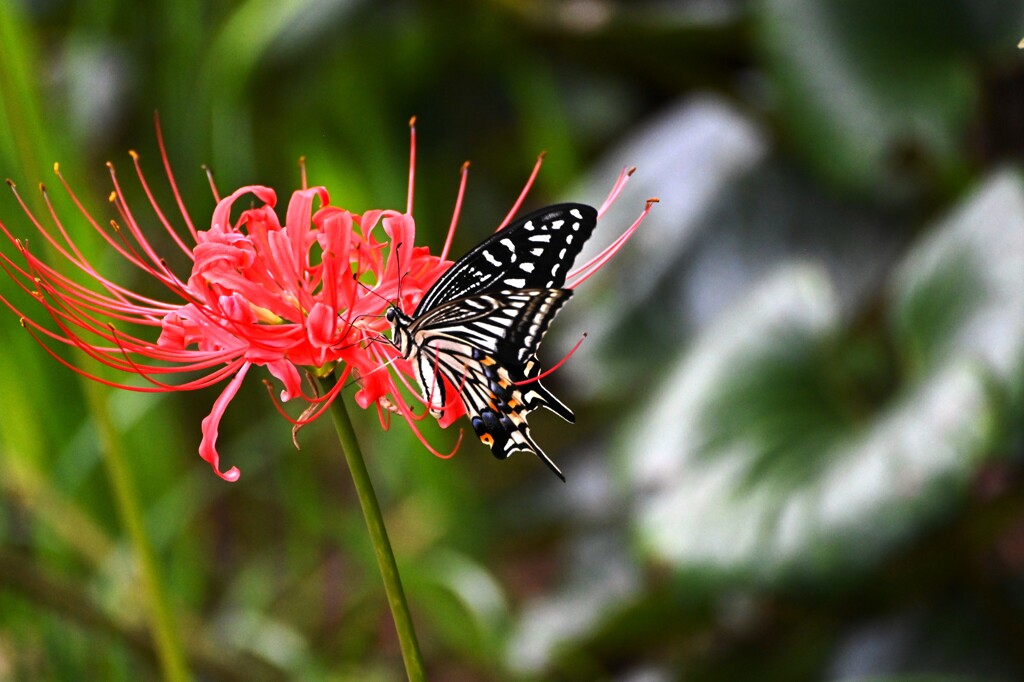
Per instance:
x=800, y=447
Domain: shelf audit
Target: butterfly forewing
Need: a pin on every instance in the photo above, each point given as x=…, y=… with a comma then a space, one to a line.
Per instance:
x=533, y=252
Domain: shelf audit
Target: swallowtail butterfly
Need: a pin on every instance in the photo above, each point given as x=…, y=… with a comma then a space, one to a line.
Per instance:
x=477, y=330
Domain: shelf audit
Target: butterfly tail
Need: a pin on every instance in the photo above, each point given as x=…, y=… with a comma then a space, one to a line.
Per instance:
x=548, y=461
x=508, y=433
x=527, y=444
x=535, y=395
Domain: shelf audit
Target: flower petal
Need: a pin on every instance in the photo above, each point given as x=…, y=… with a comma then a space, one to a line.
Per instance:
x=321, y=328
x=222, y=214
x=211, y=426
x=287, y=374
x=297, y=222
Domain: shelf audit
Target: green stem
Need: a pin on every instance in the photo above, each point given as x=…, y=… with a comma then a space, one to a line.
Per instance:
x=161, y=618
x=379, y=538
x=20, y=107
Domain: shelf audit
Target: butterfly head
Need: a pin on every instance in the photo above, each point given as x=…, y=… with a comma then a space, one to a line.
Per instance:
x=400, y=336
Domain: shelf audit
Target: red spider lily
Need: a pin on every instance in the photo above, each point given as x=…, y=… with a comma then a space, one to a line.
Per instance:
x=309, y=293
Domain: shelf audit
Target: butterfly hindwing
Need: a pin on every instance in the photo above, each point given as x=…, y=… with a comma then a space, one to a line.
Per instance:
x=508, y=323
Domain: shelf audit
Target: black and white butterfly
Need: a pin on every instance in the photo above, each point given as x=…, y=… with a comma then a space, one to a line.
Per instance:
x=479, y=327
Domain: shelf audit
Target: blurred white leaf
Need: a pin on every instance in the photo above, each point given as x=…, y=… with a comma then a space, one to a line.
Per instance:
x=762, y=487
x=686, y=157
x=602, y=578
x=961, y=293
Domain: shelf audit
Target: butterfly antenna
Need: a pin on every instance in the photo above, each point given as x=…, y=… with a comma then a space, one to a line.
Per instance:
x=370, y=290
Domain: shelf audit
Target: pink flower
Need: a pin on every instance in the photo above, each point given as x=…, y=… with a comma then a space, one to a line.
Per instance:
x=306, y=294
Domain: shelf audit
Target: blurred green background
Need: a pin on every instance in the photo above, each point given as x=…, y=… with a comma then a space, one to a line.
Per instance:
x=800, y=443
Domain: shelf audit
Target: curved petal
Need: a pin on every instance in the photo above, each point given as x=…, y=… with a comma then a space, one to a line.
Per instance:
x=222, y=214
x=287, y=374
x=297, y=221
x=211, y=426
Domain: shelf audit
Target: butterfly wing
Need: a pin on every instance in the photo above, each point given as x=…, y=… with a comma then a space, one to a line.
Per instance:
x=484, y=346
x=533, y=252
x=477, y=330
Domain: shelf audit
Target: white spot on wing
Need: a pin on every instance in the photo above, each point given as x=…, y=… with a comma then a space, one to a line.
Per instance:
x=517, y=282
x=493, y=329
x=575, y=213
x=542, y=237
x=527, y=267
x=491, y=259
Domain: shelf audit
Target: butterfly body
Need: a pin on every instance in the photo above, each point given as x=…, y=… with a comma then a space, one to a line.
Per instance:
x=477, y=330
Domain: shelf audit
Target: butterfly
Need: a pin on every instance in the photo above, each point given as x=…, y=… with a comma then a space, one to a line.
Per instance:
x=478, y=328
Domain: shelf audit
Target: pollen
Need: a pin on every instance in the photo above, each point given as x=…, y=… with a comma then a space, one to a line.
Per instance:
x=265, y=316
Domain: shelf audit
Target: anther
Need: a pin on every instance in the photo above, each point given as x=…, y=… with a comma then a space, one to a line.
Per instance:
x=133, y=154
x=56, y=167
x=630, y=172
x=112, y=197
x=21, y=321
x=652, y=201
x=412, y=122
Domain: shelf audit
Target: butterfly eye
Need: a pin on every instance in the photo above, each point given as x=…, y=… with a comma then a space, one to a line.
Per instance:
x=391, y=315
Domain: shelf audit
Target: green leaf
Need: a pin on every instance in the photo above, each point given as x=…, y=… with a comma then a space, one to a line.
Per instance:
x=874, y=95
